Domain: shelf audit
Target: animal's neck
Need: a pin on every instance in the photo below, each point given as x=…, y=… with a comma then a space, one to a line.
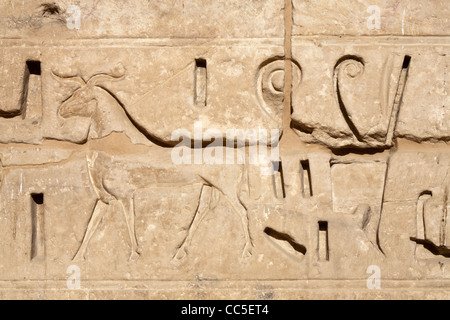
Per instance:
x=111, y=117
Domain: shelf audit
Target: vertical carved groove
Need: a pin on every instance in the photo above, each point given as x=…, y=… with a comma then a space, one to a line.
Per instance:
x=201, y=82
x=37, y=227
x=305, y=176
x=323, y=247
x=421, y=228
x=443, y=231
x=278, y=180
x=398, y=100
x=32, y=91
x=288, y=67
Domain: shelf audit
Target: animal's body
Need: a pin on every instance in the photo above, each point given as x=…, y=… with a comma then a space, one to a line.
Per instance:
x=116, y=178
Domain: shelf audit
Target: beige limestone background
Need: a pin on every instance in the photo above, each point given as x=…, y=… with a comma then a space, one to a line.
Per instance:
x=362, y=115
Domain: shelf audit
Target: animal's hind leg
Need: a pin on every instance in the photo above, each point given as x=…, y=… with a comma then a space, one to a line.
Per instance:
x=202, y=210
x=239, y=208
x=97, y=215
x=128, y=211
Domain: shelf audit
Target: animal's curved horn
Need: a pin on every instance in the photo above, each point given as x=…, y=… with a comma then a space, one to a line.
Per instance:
x=103, y=77
x=118, y=73
x=74, y=79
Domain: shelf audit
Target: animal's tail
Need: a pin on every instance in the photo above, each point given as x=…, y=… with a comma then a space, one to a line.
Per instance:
x=1, y=170
x=215, y=197
x=243, y=192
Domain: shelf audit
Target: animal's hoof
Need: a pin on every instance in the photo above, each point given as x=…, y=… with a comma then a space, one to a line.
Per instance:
x=78, y=258
x=247, y=253
x=134, y=257
x=179, y=257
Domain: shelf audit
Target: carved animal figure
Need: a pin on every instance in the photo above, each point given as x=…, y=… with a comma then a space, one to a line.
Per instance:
x=95, y=101
x=107, y=173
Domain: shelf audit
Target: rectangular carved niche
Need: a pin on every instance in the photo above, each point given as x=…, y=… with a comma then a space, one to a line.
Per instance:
x=29, y=105
x=201, y=82
x=323, y=247
x=32, y=93
x=37, y=227
x=305, y=179
x=278, y=180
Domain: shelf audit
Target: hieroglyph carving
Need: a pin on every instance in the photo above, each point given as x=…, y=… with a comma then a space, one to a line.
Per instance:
x=108, y=114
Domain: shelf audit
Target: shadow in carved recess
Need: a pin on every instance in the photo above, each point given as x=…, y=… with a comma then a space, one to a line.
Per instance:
x=285, y=241
x=432, y=210
x=30, y=105
x=107, y=114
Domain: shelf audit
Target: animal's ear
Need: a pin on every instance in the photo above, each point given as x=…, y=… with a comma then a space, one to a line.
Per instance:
x=116, y=74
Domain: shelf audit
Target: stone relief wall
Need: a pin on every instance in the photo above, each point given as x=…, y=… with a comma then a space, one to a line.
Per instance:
x=224, y=149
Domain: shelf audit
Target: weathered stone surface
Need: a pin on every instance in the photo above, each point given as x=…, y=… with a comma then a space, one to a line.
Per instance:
x=144, y=19
x=224, y=150
x=397, y=17
x=426, y=115
x=141, y=90
x=347, y=96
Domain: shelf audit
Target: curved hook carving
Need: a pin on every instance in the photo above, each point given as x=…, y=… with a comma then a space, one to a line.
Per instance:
x=348, y=67
x=117, y=73
x=62, y=78
x=270, y=83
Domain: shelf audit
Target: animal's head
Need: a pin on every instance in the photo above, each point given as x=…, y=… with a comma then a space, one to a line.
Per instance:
x=84, y=100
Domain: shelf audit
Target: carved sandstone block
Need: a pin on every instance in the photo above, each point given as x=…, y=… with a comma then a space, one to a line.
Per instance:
x=377, y=17
x=364, y=96
x=224, y=149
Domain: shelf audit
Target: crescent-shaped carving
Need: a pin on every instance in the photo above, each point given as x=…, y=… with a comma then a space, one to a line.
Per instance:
x=348, y=82
x=270, y=83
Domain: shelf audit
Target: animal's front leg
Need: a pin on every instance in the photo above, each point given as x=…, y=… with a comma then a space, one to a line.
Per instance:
x=242, y=212
x=128, y=211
